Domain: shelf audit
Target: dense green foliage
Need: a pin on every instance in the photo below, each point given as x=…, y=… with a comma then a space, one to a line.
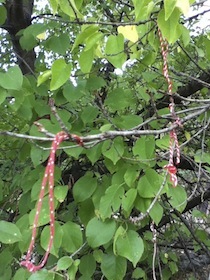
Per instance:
x=112, y=194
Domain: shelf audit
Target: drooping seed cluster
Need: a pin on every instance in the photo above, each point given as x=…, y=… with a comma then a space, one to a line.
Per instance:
x=174, y=149
x=48, y=178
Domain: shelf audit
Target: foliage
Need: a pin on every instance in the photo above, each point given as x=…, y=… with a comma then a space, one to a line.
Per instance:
x=101, y=62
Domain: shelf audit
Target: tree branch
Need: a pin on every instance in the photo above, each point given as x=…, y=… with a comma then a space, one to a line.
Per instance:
x=113, y=134
x=194, y=85
x=190, y=205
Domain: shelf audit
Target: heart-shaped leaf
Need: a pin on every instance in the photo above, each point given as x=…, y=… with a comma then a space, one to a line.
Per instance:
x=129, y=32
x=12, y=79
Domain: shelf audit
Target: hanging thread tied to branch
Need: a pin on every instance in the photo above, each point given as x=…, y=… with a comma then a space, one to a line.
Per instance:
x=48, y=178
x=174, y=150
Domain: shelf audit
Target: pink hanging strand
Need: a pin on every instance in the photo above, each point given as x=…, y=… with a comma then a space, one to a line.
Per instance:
x=48, y=177
x=174, y=144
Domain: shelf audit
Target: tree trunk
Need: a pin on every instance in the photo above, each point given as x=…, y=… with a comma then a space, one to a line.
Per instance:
x=19, y=17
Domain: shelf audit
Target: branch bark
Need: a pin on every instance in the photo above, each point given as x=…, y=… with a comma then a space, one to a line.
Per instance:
x=187, y=90
x=196, y=201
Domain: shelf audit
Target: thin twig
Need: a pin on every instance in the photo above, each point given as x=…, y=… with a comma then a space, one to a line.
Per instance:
x=82, y=22
x=191, y=77
x=154, y=239
x=185, y=222
x=191, y=59
x=136, y=220
x=55, y=113
x=127, y=133
x=24, y=136
x=191, y=100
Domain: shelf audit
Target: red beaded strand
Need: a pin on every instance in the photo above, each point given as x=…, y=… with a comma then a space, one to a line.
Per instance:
x=48, y=177
x=174, y=144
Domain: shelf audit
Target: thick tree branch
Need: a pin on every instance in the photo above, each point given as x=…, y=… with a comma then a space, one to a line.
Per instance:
x=190, y=205
x=189, y=89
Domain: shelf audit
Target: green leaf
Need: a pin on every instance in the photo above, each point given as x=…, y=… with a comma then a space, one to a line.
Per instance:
x=86, y=32
x=35, y=29
x=131, y=174
x=64, y=263
x=156, y=213
x=21, y=274
x=87, y=265
x=89, y=114
x=163, y=143
x=85, y=215
x=139, y=273
x=84, y=187
x=44, y=217
x=128, y=201
x=1, y=189
x=42, y=275
x=111, y=201
x=9, y=233
x=38, y=155
x=184, y=6
x=58, y=44
x=3, y=95
x=119, y=232
x=86, y=60
x=6, y=258
x=115, y=50
x=54, y=5
x=74, y=151
x=43, y=77
x=73, y=93
x=28, y=40
x=119, y=99
x=178, y=197
x=128, y=122
x=93, y=40
x=94, y=153
x=142, y=8
x=144, y=148
x=131, y=246
x=202, y=157
x=171, y=29
x=72, y=237
x=149, y=184
x=60, y=73
x=45, y=237
x=99, y=233
x=69, y=7
x=113, y=149
x=3, y=14
x=169, y=6
x=186, y=36
x=60, y=193
x=94, y=83
x=113, y=267
x=173, y=267
x=71, y=272
x=12, y=79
